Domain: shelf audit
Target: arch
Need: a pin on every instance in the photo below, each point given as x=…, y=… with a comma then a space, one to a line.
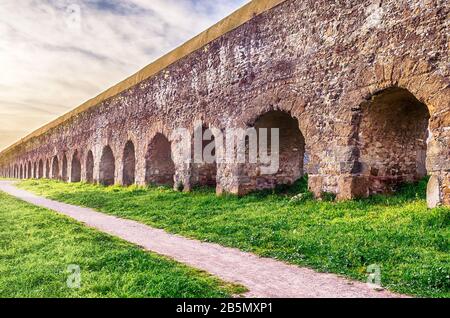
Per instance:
x=290, y=152
x=40, y=169
x=47, y=169
x=35, y=170
x=107, y=167
x=392, y=139
x=55, y=168
x=129, y=164
x=159, y=166
x=90, y=167
x=30, y=171
x=75, y=171
x=64, y=168
x=205, y=172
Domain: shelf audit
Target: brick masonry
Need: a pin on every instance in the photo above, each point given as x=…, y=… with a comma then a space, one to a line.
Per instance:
x=365, y=82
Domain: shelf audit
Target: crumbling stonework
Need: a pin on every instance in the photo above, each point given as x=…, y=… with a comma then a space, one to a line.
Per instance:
x=366, y=82
x=393, y=132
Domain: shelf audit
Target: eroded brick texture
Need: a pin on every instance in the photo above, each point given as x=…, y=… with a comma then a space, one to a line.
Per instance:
x=359, y=77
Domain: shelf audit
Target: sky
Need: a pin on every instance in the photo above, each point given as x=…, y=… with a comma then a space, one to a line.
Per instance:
x=56, y=54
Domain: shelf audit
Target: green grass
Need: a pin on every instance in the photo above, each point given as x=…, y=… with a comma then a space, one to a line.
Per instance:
x=408, y=241
x=37, y=245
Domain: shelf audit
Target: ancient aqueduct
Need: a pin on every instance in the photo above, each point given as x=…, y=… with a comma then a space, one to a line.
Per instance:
x=361, y=87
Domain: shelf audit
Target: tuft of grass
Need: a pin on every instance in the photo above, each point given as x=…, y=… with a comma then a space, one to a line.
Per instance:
x=328, y=197
x=408, y=241
x=37, y=246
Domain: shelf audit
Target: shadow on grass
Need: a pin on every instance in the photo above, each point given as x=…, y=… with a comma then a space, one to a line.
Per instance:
x=296, y=193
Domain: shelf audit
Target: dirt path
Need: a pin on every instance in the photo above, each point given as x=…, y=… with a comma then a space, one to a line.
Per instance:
x=263, y=277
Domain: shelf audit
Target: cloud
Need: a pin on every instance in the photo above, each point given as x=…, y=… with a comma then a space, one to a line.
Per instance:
x=56, y=54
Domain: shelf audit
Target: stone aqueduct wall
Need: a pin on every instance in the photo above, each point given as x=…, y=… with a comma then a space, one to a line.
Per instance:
x=361, y=87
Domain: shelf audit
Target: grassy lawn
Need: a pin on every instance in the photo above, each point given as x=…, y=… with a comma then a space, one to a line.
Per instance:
x=37, y=245
x=398, y=233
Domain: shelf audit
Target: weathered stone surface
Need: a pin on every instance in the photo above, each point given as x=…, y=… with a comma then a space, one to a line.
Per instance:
x=352, y=187
x=316, y=185
x=362, y=80
x=433, y=192
x=446, y=189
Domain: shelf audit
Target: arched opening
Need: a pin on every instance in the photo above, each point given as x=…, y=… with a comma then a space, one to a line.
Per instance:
x=35, y=170
x=159, y=166
x=107, y=167
x=55, y=168
x=21, y=172
x=90, y=167
x=30, y=169
x=205, y=172
x=47, y=169
x=129, y=164
x=393, y=137
x=64, y=168
x=285, y=165
x=41, y=169
x=75, y=173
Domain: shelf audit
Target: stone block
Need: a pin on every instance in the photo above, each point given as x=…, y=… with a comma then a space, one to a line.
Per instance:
x=352, y=187
x=433, y=192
